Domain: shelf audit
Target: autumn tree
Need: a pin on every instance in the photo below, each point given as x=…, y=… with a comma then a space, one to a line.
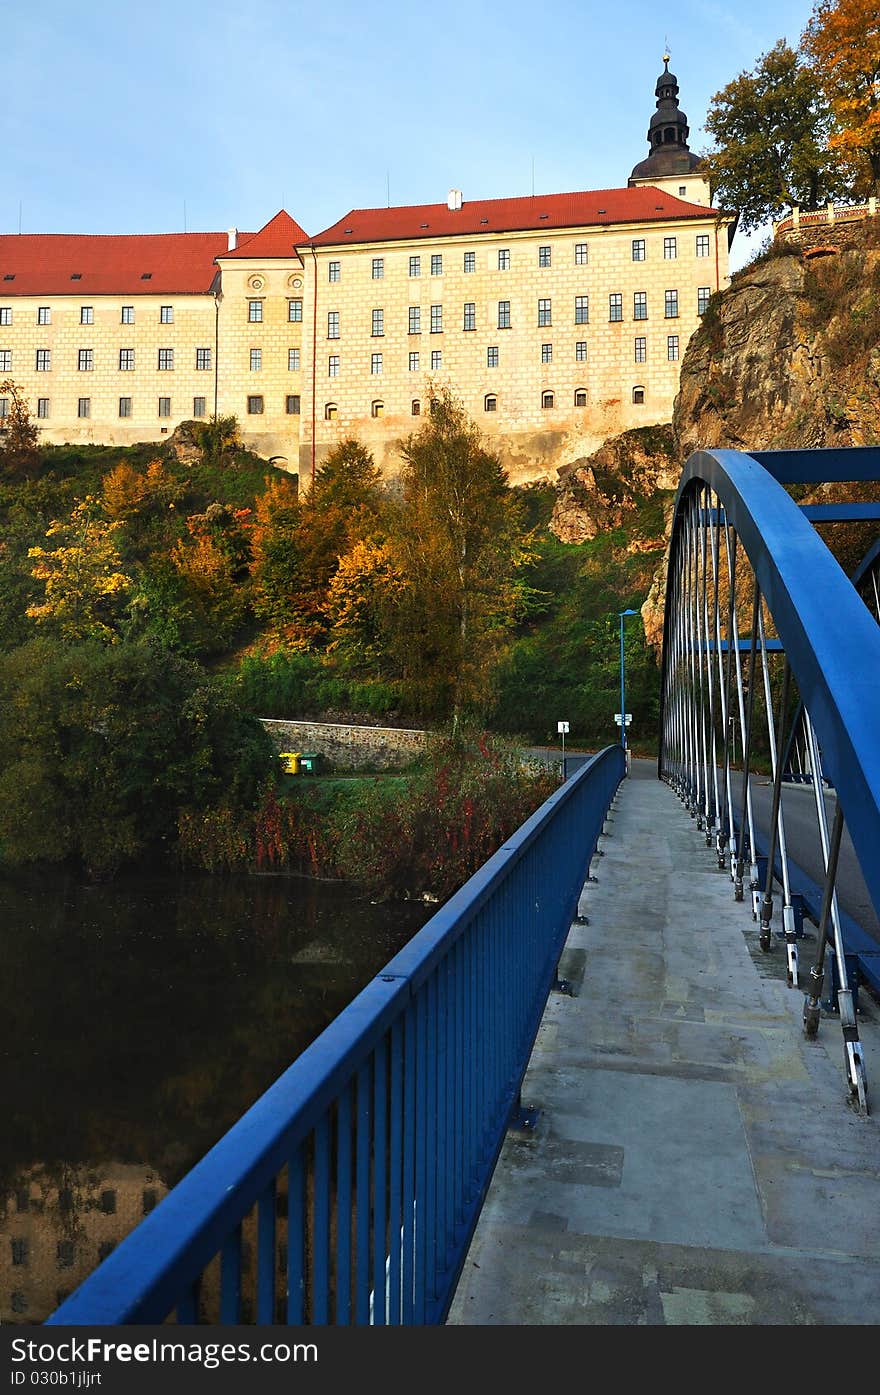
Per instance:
x=362, y=603
x=771, y=129
x=85, y=585
x=19, y=434
x=457, y=539
x=843, y=41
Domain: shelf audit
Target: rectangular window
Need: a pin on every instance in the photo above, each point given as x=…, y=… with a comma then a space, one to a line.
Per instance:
x=5, y=360
x=44, y=360
x=437, y=264
x=42, y=407
x=5, y=314
x=580, y=351
x=470, y=261
x=332, y=324
x=672, y=347
x=543, y=256
x=640, y=305
x=127, y=317
x=470, y=315
x=164, y=406
x=44, y=315
x=414, y=363
x=703, y=295
x=256, y=360
x=255, y=312
x=415, y=319
x=86, y=315
x=670, y=250
x=544, y=312
x=198, y=406
x=255, y=406
x=615, y=306
x=334, y=271
x=293, y=406
x=671, y=303
x=166, y=360
x=375, y=364
x=4, y=408
x=415, y=266
x=295, y=311
x=378, y=268
x=546, y=353
x=504, y=314
x=378, y=323
x=582, y=309
x=333, y=366
x=293, y=360
x=641, y=349
x=638, y=249
x=126, y=360
x=203, y=360
x=436, y=360
x=85, y=360
x=580, y=254
x=492, y=356
x=702, y=244
x=84, y=407
x=125, y=406
x=436, y=319
x=166, y=314
x=504, y=259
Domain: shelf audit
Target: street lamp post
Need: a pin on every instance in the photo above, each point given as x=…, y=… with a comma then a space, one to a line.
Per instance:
x=622, y=615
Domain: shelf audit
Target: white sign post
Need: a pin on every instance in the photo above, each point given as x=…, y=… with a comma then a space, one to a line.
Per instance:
x=562, y=728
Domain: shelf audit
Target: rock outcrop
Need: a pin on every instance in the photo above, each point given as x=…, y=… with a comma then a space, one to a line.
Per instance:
x=605, y=490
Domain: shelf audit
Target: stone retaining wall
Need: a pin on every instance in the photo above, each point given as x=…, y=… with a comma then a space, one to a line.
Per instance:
x=349, y=747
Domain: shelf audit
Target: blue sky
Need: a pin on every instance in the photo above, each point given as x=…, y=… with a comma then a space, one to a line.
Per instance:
x=117, y=115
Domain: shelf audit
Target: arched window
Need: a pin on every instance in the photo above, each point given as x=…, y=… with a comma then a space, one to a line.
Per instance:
x=331, y=411
x=580, y=397
x=490, y=402
x=377, y=409
x=416, y=407
x=547, y=399
x=638, y=395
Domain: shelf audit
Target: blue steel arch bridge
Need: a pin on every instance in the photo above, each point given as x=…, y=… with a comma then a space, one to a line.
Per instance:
x=358, y=1179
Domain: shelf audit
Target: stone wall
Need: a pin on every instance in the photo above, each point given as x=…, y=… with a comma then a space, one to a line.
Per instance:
x=349, y=747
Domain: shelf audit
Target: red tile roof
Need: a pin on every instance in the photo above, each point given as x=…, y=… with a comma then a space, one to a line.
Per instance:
x=278, y=238
x=595, y=207
x=47, y=263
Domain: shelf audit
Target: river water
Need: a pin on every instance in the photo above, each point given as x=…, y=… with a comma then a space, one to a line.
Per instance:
x=139, y=1020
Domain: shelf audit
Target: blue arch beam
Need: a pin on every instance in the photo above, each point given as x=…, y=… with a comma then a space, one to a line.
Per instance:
x=831, y=639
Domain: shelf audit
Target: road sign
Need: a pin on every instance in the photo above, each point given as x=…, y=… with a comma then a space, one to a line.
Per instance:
x=562, y=728
x=629, y=717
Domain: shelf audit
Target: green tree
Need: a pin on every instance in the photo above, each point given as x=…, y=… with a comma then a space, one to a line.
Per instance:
x=457, y=539
x=101, y=748
x=19, y=454
x=771, y=129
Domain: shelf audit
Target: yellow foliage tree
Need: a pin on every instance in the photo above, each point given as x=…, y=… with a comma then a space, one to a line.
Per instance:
x=364, y=592
x=82, y=575
x=843, y=41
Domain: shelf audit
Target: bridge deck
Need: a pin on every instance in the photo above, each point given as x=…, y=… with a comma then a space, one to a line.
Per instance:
x=695, y=1160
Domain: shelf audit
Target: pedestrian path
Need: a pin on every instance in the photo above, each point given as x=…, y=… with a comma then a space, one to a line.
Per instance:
x=695, y=1159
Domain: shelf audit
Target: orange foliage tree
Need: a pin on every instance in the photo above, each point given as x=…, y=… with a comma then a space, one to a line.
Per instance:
x=843, y=41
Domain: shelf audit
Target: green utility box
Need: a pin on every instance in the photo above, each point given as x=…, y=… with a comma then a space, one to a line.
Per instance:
x=291, y=762
x=312, y=763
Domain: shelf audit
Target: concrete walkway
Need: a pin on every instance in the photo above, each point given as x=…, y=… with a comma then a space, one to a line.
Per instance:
x=696, y=1160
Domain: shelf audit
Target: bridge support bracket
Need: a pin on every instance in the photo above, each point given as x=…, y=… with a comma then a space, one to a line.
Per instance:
x=523, y=1117
x=564, y=986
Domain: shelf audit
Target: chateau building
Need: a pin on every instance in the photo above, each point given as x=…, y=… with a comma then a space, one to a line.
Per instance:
x=559, y=319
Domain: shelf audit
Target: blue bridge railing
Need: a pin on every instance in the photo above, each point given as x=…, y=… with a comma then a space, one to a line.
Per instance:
x=349, y=1192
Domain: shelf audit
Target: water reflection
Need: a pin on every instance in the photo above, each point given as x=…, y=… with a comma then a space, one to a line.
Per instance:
x=140, y=1020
